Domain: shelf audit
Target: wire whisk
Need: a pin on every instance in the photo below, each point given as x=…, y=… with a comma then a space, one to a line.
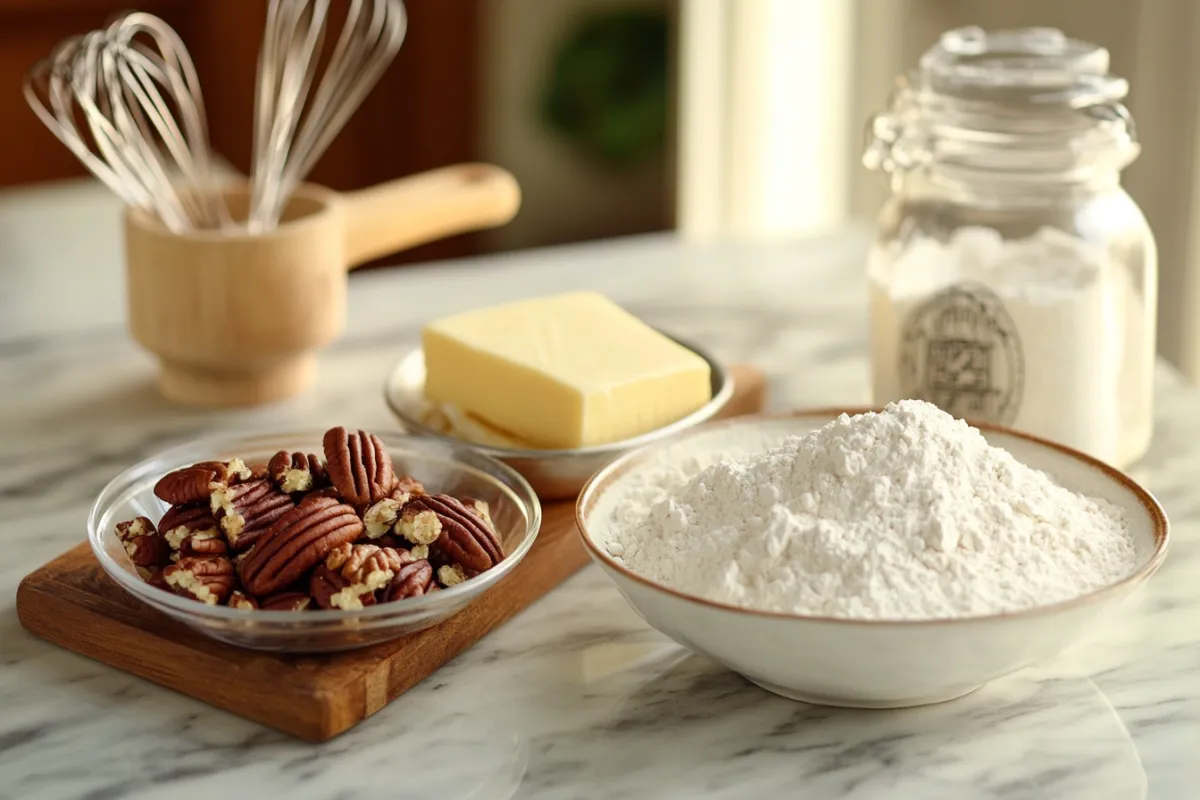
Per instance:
x=126, y=101
x=293, y=128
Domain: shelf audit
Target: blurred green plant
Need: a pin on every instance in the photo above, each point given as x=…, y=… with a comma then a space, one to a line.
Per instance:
x=606, y=91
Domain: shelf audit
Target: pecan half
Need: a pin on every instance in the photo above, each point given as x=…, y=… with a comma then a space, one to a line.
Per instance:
x=260, y=516
x=296, y=472
x=330, y=590
x=207, y=579
x=246, y=510
x=286, y=601
x=459, y=536
x=194, y=483
x=201, y=545
x=180, y=522
x=241, y=601
x=298, y=541
x=154, y=577
x=150, y=550
x=411, y=580
x=358, y=465
x=132, y=529
x=143, y=544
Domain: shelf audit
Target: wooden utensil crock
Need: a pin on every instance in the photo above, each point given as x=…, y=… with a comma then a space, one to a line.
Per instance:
x=237, y=319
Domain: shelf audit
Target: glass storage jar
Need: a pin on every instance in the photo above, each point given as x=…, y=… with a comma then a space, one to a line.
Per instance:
x=1012, y=280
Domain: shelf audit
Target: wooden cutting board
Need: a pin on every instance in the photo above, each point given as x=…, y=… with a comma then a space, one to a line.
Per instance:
x=71, y=602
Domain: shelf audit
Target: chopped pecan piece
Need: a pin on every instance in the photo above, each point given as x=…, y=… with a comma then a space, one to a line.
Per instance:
x=339, y=556
x=359, y=466
x=207, y=579
x=366, y=566
x=286, y=601
x=379, y=517
x=451, y=574
x=419, y=525
x=481, y=509
x=296, y=542
x=406, y=489
x=246, y=510
x=241, y=601
x=296, y=472
x=460, y=536
x=411, y=580
x=180, y=522
x=330, y=590
x=197, y=482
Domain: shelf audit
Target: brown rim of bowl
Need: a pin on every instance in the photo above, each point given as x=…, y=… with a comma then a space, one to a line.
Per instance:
x=619, y=467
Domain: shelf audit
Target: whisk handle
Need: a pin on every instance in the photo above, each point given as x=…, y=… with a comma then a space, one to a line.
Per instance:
x=403, y=213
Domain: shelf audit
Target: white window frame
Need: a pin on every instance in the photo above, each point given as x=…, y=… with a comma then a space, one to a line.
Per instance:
x=766, y=135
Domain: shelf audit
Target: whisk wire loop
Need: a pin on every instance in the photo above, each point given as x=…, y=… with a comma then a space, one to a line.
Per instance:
x=144, y=133
x=295, y=122
x=125, y=99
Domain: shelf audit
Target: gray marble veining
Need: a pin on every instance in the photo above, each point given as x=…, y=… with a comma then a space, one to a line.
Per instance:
x=576, y=697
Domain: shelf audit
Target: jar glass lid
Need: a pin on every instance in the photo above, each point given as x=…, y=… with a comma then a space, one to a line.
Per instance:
x=1028, y=100
x=1035, y=65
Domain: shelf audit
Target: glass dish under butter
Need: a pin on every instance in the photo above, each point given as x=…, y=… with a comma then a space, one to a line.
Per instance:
x=553, y=474
x=442, y=466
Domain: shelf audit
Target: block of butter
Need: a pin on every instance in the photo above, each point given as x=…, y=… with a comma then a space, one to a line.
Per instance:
x=564, y=371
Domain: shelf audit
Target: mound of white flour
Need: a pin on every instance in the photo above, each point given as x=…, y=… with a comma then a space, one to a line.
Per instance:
x=905, y=514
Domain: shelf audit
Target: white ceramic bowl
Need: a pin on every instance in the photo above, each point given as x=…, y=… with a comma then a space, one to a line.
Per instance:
x=868, y=664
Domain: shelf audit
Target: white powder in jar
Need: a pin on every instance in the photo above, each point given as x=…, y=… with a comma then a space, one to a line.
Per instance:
x=906, y=514
x=1046, y=334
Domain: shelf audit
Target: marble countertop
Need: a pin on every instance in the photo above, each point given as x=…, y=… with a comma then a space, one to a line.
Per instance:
x=575, y=697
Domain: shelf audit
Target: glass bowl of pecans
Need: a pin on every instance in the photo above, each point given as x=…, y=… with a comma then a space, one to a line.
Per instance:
x=313, y=542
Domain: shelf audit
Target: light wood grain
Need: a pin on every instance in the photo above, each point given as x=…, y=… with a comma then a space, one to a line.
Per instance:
x=238, y=319
x=749, y=391
x=71, y=602
x=410, y=211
